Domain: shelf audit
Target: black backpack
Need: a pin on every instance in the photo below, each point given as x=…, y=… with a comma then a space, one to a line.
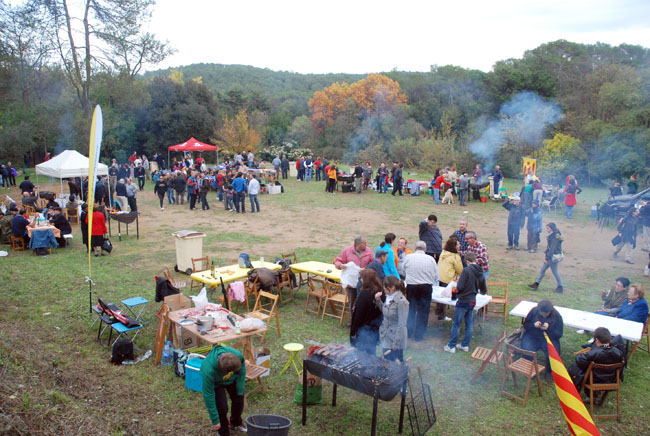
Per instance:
x=122, y=350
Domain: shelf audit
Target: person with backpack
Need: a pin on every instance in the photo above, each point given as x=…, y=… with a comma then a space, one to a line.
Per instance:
x=470, y=283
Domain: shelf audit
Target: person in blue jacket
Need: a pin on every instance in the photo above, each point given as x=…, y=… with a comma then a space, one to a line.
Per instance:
x=240, y=187
x=635, y=307
x=534, y=226
x=389, y=266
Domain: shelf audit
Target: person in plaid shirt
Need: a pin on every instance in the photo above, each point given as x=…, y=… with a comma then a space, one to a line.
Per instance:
x=477, y=247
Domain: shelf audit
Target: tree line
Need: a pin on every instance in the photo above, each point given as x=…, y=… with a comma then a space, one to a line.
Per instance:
x=57, y=62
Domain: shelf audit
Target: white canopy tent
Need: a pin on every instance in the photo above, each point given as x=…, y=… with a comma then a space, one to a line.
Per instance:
x=68, y=164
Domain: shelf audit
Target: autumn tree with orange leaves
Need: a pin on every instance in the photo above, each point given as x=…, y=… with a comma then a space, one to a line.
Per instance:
x=374, y=95
x=236, y=135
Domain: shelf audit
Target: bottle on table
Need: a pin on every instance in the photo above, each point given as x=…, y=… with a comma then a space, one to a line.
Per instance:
x=212, y=269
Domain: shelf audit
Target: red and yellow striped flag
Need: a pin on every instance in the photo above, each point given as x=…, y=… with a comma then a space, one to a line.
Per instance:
x=575, y=413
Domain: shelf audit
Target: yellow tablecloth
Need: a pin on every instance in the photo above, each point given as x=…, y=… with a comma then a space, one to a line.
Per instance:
x=230, y=273
x=322, y=269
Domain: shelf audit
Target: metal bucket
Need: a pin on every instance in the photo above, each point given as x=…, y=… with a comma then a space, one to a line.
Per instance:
x=268, y=425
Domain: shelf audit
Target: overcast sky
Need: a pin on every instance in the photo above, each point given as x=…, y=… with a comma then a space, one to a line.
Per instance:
x=359, y=36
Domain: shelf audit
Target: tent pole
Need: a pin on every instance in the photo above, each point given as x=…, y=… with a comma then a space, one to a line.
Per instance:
x=168, y=161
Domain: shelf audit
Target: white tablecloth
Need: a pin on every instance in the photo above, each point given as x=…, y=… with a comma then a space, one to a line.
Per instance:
x=579, y=319
x=481, y=300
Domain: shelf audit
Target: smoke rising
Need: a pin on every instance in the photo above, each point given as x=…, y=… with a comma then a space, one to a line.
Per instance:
x=523, y=120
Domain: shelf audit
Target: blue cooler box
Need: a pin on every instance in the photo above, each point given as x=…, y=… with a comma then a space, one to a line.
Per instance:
x=193, y=378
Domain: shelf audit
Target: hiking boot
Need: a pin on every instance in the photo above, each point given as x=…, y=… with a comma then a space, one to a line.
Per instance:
x=534, y=286
x=630, y=261
x=449, y=350
x=509, y=247
x=461, y=348
x=559, y=289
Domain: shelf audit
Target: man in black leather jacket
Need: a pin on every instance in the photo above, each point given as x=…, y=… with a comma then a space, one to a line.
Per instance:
x=601, y=352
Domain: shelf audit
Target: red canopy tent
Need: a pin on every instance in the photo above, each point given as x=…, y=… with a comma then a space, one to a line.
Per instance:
x=193, y=145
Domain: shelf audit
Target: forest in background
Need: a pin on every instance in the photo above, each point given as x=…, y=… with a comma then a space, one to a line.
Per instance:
x=578, y=108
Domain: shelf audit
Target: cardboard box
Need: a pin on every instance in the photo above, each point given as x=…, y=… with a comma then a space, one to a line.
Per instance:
x=177, y=302
x=185, y=339
x=263, y=359
x=274, y=189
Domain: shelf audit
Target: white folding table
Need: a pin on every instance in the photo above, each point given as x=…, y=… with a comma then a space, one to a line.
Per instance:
x=579, y=319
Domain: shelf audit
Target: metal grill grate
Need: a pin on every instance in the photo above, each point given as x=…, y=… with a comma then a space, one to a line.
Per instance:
x=421, y=412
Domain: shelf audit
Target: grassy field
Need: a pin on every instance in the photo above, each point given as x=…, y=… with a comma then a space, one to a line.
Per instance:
x=58, y=380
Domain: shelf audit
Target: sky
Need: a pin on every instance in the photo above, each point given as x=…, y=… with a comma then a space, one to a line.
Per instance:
x=359, y=36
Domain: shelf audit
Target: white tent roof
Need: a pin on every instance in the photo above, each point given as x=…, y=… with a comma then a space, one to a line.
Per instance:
x=69, y=163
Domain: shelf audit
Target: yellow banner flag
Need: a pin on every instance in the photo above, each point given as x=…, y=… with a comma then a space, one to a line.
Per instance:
x=529, y=165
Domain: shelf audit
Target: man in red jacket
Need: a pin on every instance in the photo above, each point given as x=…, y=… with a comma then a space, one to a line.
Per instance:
x=440, y=180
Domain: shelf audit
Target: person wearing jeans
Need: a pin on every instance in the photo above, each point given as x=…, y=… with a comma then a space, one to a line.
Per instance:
x=553, y=248
x=240, y=187
x=253, y=191
x=471, y=282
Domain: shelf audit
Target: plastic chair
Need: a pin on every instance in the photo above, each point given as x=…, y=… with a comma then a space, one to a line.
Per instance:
x=293, y=349
x=196, y=268
x=591, y=387
x=550, y=204
x=525, y=367
x=262, y=312
x=335, y=296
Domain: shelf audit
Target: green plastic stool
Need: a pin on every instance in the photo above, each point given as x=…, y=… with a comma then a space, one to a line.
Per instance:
x=293, y=349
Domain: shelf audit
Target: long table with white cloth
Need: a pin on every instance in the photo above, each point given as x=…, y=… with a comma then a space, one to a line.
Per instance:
x=580, y=319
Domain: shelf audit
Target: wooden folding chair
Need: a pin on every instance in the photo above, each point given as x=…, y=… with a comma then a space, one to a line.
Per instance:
x=498, y=306
x=17, y=243
x=168, y=275
x=262, y=312
x=197, y=267
x=317, y=292
x=41, y=202
x=72, y=213
x=335, y=296
x=647, y=336
x=591, y=387
x=30, y=211
x=285, y=282
x=254, y=372
x=523, y=366
x=294, y=259
x=489, y=356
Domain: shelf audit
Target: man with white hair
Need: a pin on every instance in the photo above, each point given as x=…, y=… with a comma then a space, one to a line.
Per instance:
x=120, y=194
x=421, y=273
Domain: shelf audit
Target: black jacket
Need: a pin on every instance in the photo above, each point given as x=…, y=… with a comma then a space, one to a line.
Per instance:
x=61, y=222
x=554, y=245
x=606, y=355
x=161, y=186
x=164, y=288
x=365, y=313
x=179, y=184
x=471, y=281
x=120, y=190
x=431, y=236
x=554, y=320
x=628, y=228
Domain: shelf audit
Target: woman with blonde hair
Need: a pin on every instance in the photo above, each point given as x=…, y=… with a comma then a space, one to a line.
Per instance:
x=450, y=266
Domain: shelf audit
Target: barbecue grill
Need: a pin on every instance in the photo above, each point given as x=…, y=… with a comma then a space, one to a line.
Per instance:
x=359, y=371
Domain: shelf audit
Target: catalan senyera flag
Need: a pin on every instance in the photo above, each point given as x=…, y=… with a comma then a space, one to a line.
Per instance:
x=529, y=165
x=93, y=159
x=575, y=413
